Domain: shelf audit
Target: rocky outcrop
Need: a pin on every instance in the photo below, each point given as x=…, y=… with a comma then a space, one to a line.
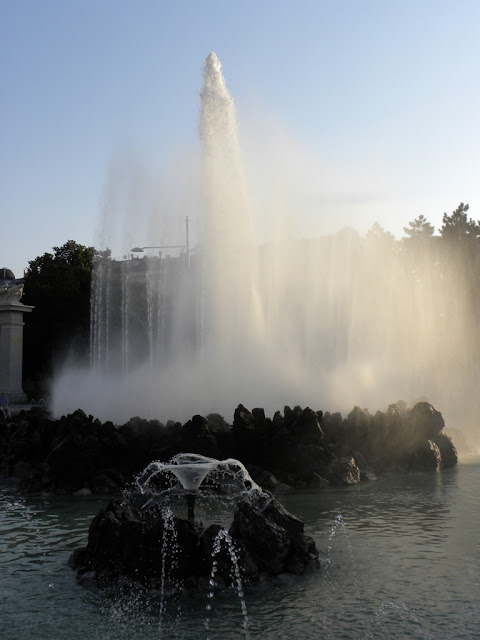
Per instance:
x=270, y=540
x=300, y=448
x=448, y=452
x=144, y=546
x=399, y=439
x=342, y=472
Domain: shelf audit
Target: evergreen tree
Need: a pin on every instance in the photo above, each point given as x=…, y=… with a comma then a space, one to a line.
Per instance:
x=460, y=267
x=419, y=229
x=458, y=226
x=377, y=233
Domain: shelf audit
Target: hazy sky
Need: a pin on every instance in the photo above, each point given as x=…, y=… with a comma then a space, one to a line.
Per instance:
x=366, y=110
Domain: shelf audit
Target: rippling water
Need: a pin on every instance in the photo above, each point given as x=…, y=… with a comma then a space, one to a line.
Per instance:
x=400, y=559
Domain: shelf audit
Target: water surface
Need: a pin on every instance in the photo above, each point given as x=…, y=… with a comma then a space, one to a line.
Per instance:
x=400, y=559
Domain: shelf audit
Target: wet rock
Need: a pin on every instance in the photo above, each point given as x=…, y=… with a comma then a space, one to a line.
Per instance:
x=196, y=427
x=263, y=478
x=366, y=471
x=424, y=422
x=447, y=450
x=425, y=457
x=342, y=472
x=284, y=488
x=243, y=419
x=39, y=480
x=104, y=484
x=271, y=539
x=318, y=482
x=297, y=448
x=70, y=463
x=142, y=545
x=305, y=428
x=217, y=423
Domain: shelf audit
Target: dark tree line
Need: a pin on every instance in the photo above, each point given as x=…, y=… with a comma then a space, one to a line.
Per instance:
x=58, y=286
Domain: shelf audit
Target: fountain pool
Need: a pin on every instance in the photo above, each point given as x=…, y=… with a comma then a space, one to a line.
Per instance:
x=400, y=558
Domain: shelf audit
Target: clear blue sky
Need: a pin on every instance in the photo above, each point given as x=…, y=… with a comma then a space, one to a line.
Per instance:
x=372, y=104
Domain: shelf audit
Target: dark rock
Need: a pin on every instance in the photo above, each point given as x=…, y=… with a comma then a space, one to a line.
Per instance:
x=259, y=417
x=263, y=478
x=39, y=480
x=342, y=472
x=104, y=484
x=306, y=427
x=278, y=421
x=425, y=457
x=70, y=463
x=271, y=539
x=77, y=452
x=447, y=450
x=331, y=427
x=217, y=423
x=424, y=421
x=366, y=471
x=129, y=542
x=317, y=482
x=291, y=415
x=196, y=427
x=243, y=419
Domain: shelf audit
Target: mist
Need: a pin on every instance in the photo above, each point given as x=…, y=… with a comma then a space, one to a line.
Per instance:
x=254, y=310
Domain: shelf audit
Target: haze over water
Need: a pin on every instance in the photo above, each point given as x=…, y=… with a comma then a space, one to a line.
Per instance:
x=330, y=322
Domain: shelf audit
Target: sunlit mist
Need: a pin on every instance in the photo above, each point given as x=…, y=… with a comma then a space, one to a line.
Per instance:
x=330, y=321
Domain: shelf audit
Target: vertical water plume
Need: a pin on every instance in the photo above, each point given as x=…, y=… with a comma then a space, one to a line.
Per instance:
x=327, y=321
x=224, y=536
x=231, y=313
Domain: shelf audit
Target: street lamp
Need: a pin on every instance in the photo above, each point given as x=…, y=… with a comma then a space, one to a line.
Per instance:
x=185, y=246
x=163, y=246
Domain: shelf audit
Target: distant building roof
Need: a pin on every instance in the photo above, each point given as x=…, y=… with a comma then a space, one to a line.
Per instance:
x=6, y=274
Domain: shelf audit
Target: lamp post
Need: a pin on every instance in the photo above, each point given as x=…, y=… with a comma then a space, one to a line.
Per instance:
x=185, y=246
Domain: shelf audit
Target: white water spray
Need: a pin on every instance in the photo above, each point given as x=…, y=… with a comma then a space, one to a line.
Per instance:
x=328, y=322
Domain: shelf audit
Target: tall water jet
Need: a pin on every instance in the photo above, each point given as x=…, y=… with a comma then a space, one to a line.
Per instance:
x=175, y=333
x=330, y=321
x=231, y=324
x=232, y=312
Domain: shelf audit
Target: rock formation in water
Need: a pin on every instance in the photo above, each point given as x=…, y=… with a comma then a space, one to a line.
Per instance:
x=300, y=448
x=143, y=545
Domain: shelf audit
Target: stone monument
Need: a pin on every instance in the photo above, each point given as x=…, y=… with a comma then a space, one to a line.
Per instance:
x=11, y=335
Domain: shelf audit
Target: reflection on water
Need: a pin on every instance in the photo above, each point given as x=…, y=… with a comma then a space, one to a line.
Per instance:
x=400, y=558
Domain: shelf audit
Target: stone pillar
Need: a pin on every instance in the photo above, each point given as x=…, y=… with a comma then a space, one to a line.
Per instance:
x=11, y=347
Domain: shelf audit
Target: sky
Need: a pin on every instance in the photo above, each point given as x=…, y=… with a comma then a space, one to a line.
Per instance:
x=363, y=110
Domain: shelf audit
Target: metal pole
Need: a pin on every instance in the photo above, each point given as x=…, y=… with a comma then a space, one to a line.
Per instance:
x=187, y=241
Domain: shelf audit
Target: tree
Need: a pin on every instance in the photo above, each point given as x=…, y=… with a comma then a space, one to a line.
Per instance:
x=419, y=249
x=460, y=264
x=58, y=286
x=419, y=229
x=460, y=236
x=377, y=233
x=458, y=226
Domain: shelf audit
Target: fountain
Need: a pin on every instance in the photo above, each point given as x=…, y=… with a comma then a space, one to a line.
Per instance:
x=324, y=321
x=129, y=539
x=332, y=321
x=186, y=472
